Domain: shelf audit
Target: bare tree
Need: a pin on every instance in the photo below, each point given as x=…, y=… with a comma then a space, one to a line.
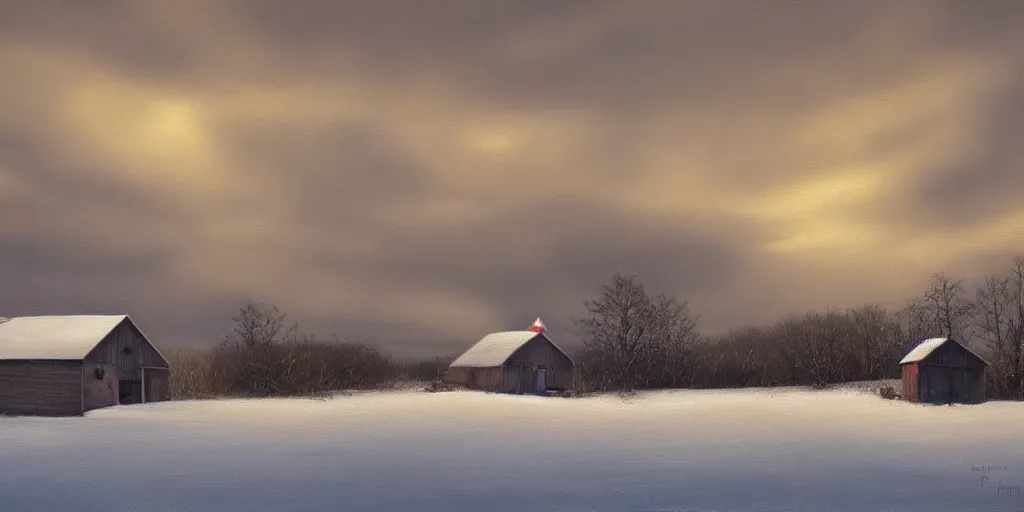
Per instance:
x=915, y=323
x=635, y=339
x=949, y=309
x=1016, y=322
x=878, y=336
x=250, y=354
x=818, y=345
x=673, y=332
x=994, y=323
x=999, y=318
x=616, y=329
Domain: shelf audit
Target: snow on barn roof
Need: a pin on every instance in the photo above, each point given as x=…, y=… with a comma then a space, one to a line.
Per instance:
x=926, y=347
x=494, y=349
x=54, y=337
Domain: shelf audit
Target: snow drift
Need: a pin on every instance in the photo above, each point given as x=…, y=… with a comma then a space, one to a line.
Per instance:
x=742, y=450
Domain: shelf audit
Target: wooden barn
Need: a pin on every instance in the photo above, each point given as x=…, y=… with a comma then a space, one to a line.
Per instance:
x=943, y=371
x=67, y=365
x=514, y=362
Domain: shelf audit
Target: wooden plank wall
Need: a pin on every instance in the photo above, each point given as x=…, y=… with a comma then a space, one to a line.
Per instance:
x=456, y=375
x=99, y=392
x=910, y=382
x=488, y=379
x=129, y=365
x=45, y=388
x=952, y=354
x=519, y=373
x=513, y=379
x=158, y=386
x=540, y=352
x=951, y=374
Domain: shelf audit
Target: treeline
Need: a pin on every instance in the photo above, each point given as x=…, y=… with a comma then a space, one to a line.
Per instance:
x=263, y=358
x=633, y=340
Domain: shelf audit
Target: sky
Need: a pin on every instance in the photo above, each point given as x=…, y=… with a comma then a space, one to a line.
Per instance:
x=417, y=174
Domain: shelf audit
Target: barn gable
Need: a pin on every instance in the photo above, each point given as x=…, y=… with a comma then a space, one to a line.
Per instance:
x=128, y=335
x=938, y=347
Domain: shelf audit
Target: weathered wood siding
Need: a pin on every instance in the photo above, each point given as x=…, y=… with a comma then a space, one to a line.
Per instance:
x=541, y=353
x=457, y=375
x=519, y=373
x=99, y=392
x=487, y=379
x=910, y=382
x=954, y=355
x=950, y=374
x=112, y=349
x=158, y=384
x=513, y=378
x=43, y=388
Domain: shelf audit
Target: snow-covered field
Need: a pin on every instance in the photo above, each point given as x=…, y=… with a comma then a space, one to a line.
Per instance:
x=742, y=450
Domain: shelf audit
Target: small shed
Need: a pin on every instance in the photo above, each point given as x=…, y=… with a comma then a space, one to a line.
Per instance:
x=67, y=365
x=943, y=371
x=514, y=362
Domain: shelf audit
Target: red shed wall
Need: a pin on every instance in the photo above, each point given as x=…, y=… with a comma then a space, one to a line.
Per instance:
x=910, y=385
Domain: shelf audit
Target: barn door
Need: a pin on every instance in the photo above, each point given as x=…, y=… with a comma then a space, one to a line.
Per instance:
x=542, y=380
x=155, y=384
x=129, y=392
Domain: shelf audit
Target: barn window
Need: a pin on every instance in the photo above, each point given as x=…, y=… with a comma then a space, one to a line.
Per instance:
x=98, y=372
x=127, y=351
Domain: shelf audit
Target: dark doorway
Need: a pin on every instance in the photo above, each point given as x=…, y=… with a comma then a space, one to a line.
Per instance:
x=130, y=392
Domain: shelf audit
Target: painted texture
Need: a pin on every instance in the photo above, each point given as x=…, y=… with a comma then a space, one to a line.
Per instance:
x=44, y=388
x=125, y=352
x=767, y=450
x=947, y=373
x=100, y=389
x=64, y=337
x=157, y=384
x=517, y=371
x=69, y=387
x=128, y=350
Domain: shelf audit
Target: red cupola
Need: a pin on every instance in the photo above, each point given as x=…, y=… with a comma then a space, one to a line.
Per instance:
x=538, y=326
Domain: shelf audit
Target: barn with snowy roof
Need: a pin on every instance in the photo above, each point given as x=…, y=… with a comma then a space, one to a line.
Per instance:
x=67, y=365
x=943, y=371
x=514, y=362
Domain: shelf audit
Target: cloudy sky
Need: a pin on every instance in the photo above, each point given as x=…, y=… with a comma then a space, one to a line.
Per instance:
x=418, y=173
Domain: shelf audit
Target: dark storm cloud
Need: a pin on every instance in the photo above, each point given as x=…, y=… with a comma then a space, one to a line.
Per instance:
x=73, y=202
x=340, y=171
x=67, y=261
x=990, y=181
x=76, y=275
x=538, y=259
x=527, y=259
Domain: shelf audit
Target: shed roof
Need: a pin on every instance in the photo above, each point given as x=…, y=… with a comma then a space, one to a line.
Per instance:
x=495, y=348
x=926, y=347
x=54, y=337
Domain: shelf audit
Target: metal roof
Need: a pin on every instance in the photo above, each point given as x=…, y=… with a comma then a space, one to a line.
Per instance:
x=495, y=348
x=54, y=337
x=926, y=347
